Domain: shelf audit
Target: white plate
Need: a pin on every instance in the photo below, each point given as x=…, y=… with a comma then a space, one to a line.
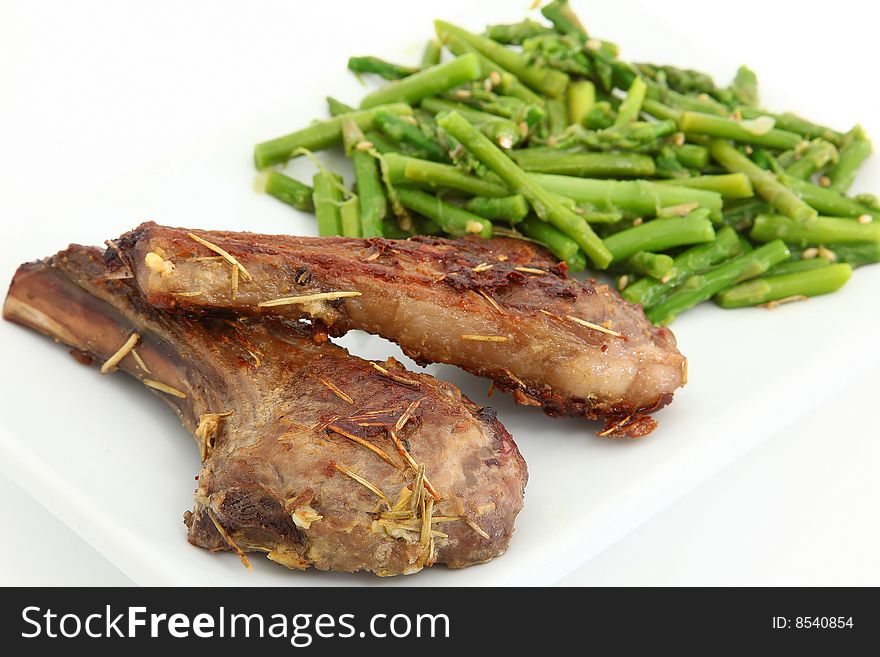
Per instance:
x=111, y=461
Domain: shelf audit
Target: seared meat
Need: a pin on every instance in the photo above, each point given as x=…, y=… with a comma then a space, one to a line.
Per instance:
x=497, y=308
x=310, y=455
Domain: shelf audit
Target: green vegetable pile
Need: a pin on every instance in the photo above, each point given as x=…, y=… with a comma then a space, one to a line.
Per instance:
x=684, y=190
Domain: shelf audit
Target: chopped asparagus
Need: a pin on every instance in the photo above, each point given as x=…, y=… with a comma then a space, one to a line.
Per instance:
x=590, y=141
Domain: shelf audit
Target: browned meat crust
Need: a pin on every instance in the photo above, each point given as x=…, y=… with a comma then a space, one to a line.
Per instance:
x=286, y=423
x=497, y=308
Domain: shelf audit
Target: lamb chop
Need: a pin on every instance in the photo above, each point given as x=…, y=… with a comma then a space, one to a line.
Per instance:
x=311, y=455
x=497, y=308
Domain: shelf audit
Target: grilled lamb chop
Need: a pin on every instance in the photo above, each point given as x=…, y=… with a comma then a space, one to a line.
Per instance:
x=497, y=308
x=309, y=454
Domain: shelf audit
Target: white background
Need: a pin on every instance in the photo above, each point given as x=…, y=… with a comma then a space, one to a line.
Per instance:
x=96, y=93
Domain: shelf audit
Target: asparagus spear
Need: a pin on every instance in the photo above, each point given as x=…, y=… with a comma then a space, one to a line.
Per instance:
x=451, y=218
x=350, y=218
x=319, y=136
x=632, y=104
x=600, y=117
x=684, y=82
x=700, y=287
x=540, y=79
x=511, y=209
x=745, y=86
x=327, y=197
x=729, y=185
x=692, y=156
x=380, y=67
x=793, y=123
x=557, y=115
x=288, y=190
x=515, y=33
x=602, y=165
x=821, y=230
x=560, y=13
x=667, y=164
x=695, y=260
x=502, y=131
x=857, y=255
x=797, y=266
x=581, y=99
x=755, y=133
x=431, y=54
x=638, y=136
x=741, y=213
x=546, y=206
x=412, y=171
x=372, y=204
x=823, y=280
x=701, y=104
x=337, y=107
x=854, y=150
x=402, y=130
x=507, y=81
x=661, y=234
x=559, y=244
x=764, y=182
x=655, y=265
x=639, y=198
x=816, y=157
x=660, y=111
x=428, y=82
x=380, y=142
x=826, y=200
x=478, y=97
